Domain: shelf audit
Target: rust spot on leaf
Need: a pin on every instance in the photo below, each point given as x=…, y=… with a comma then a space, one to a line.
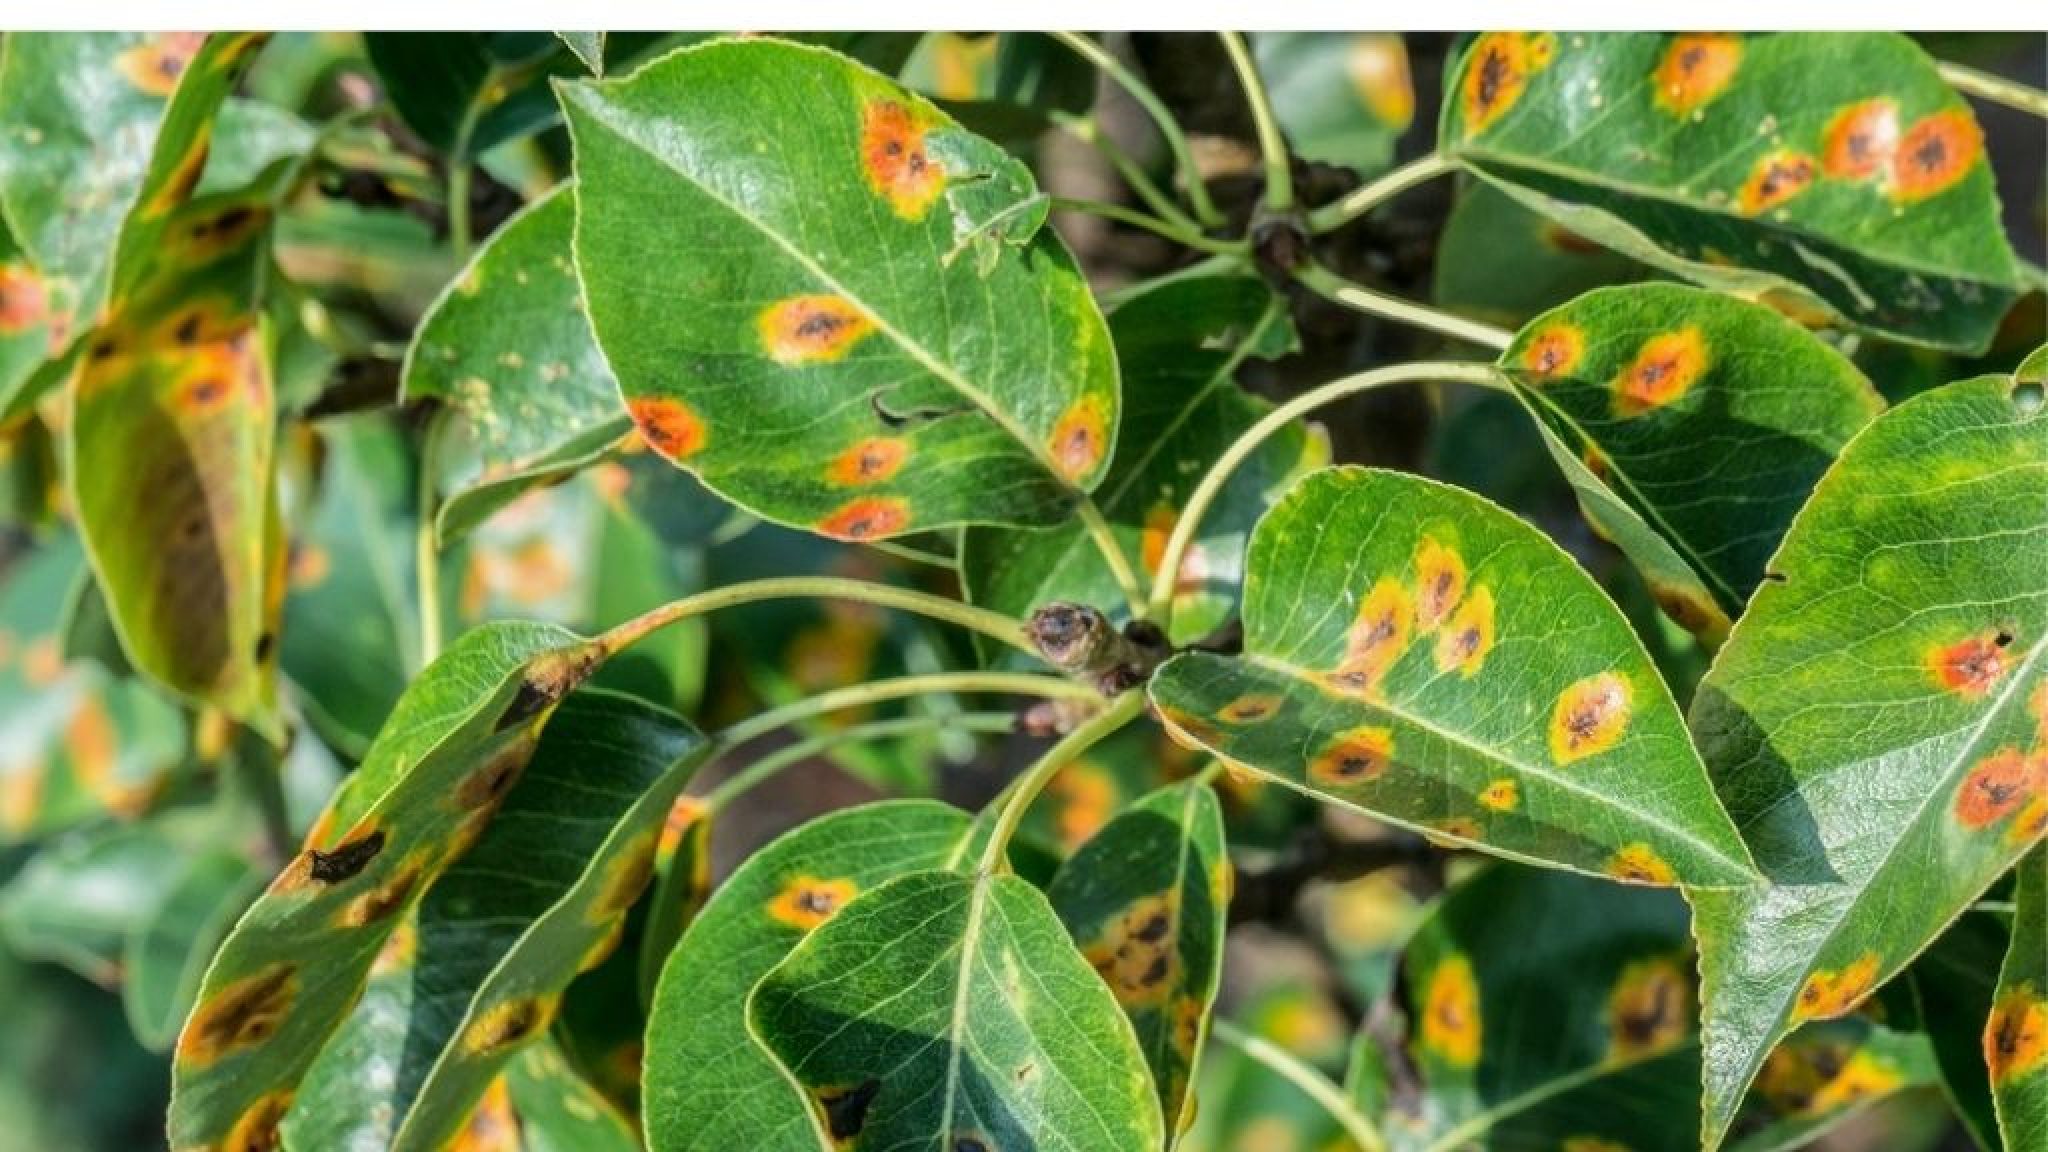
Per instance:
x=1136, y=952
x=1829, y=993
x=870, y=461
x=845, y=1109
x=244, y=1014
x=811, y=329
x=493, y=1127
x=1689, y=608
x=1697, y=68
x=1665, y=368
x=1499, y=72
x=1971, y=666
x=2016, y=1035
x=346, y=860
x=895, y=161
x=1439, y=583
x=155, y=65
x=1501, y=795
x=23, y=303
x=1589, y=718
x=1450, y=1013
x=260, y=1127
x=1777, y=178
x=1250, y=708
x=1377, y=638
x=1358, y=756
x=2000, y=785
x=383, y=900
x=1468, y=636
x=1554, y=351
x=1860, y=140
x=669, y=426
x=488, y=783
x=1079, y=438
x=868, y=518
x=509, y=1023
x=625, y=878
x=1935, y=154
x=1650, y=1008
x=806, y=901
x=1640, y=864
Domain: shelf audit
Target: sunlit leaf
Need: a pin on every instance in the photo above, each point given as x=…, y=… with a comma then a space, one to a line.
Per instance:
x=77, y=901
x=165, y=955
x=588, y=47
x=1343, y=98
x=2016, y=1035
x=847, y=315
x=1835, y=171
x=1692, y=426
x=1414, y=652
x=1875, y=709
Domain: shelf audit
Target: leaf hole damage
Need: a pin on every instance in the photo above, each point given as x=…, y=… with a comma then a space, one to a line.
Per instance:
x=846, y=1109
x=346, y=860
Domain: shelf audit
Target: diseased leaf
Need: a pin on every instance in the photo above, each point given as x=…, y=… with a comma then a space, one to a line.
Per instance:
x=292, y=969
x=1952, y=986
x=1145, y=900
x=557, y=1110
x=464, y=92
x=165, y=955
x=847, y=315
x=1877, y=708
x=1834, y=171
x=491, y=959
x=1824, y=1075
x=710, y=1087
x=942, y=1011
x=508, y=352
x=1342, y=98
x=682, y=884
x=1181, y=345
x=1414, y=652
x=26, y=338
x=1692, y=426
x=2016, y=1035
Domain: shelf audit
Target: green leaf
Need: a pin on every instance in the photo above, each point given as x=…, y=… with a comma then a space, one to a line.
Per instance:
x=682, y=885
x=1825, y=1075
x=77, y=901
x=2016, y=1035
x=1953, y=984
x=943, y=1011
x=558, y=1111
x=293, y=967
x=1499, y=262
x=1342, y=98
x=26, y=338
x=1870, y=714
x=588, y=47
x=464, y=92
x=1693, y=426
x=848, y=316
x=1145, y=900
x=1181, y=345
x=165, y=955
x=1543, y=1010
x=709, y=1086
x=491, y=959
x=1834, y=171
x=508, y=353
x=1416, y=653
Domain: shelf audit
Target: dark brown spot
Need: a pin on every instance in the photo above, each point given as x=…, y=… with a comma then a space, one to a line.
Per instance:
x=489, y=782
x=346, y=860
x=534, y=697
x=1154, y=929
x=1493, y=75
x=846, y=1109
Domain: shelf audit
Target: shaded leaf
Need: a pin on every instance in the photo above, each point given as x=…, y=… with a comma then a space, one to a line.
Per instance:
x=557, y=1110
x=850, y=320
x=682, y=884
x=1342, y=98
x=508, y=353
x=709, y=1086
x=166, y=954
x=1180, y=345
x=1953, y=983
x=1834, y=171
x=1145, y=901
x=1008, y=86
x=464, y=92
x=1692, y=426
x=2016, y=1035
x=1828, y=1073
x=1499, y=262
x=1871, y=713
x=77, y=901
x=1414, y=652
x=588, y=47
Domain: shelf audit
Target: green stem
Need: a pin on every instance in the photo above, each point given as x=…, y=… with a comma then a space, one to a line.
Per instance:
x=1241, y=449
x=1120, y=568
x=898, y=688
x=1370, y=196
x=427, y=551
x=1996, y=89
x=1169, y=128
x=1019, y=796
x=1086, y=130
x=1358, y=297
x=1114, y=298
x=1316, y=1085
x=1272, y=142
x=746, y=779
x=991, y=624
x=1152, y=224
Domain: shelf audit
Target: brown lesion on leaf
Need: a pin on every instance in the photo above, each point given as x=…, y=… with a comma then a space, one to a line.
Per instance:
x=1832, y=992
x=2016, y=1035
x=1376, y=640
x=1137, y=952
x=895, y=159
x=669, y=426
x=625, y=877
x=388, y=896
x=1590, y=717
x=1664, y=369
x=244, y=1014
x=807, y=901
x=155, y=65
x=1639, y=863
x=1860, y=140
x=1970, y=667
x=1813, y=1078
x=487, y=784
x=868, y=461
x=1450, y=1012
x=260, y=1126
x=493, y=1127
x=1689, y=608
x=208, y=237
x=1696, y=69
x=1080, y=438
x=844, y=1109
x=1499, y=70
x=1650, y=1008
x=1502, y=795
x=811, y=329
x=1554, y=351
x=346, y=859
x=2000, y=785
x=866, y=518
x=510, y=1023
x=1250, y=708
x=1778, y=177
x=1935, y=154
x=1467, y=637
x=1439, y=583
x=1358, y=756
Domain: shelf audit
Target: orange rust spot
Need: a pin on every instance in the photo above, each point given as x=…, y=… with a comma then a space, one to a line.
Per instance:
x=2016, y=1035
x=1450, y=1014
x=1812, y=1078
x=1439, y=583
x=1187, y=729
x=2000, y=785
x=1589, y=718
x=510, y=1022
x=1665, y=368
x=493, y=1127
x=1251, y=708
x=2033, y=819
x=1378, y=636
x=1136, y=955
x=894, y=159
x=1640, y=864
x=1358, y=756
x=1455, y=832
x=806, y=901
x=23, y=303
x=1650, y=1008
x=1689, y=608
x=811, y=329
x=1501, y=795
x=1377, y=65
x=1860, y=140
x=1777, y=178
x=487, y=783
x=1829, y=993
x=669, y=426
x=244, y=1014
x=870, y=461
x=684, y=813
x=1080, y=438
x=1935, y=154
x=1086, y=796
x=1970, y=667
x=1468, y=636
x=258, y=1128
x=386, y=898
x=2037, y=707
x=1499, y=72
x=1697, y=68
x=1555, y=351
x=868, y=518
x=155, y=65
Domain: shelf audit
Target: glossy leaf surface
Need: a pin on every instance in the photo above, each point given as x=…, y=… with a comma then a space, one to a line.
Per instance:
x=1834, y=170
x=710, y=1086
x=942, y=1010
x=1416, y=653
x=2016, y=1035
x=1874, y=710
x=1693, y=426
x=1181, y=345
x=846, y=315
